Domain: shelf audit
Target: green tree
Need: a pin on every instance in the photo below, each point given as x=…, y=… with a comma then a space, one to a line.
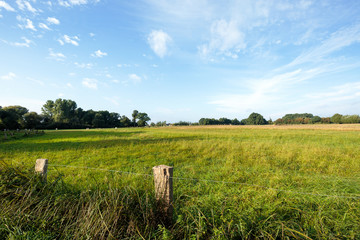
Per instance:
x=315, y=119
x=336, y=118
x=125, y=121
x=12, y=117
x=143, y=119
x=32, y=120
x=134, y=117
x=255, y=119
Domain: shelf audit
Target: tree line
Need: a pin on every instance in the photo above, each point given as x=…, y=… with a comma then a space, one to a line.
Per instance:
x=295, y=118
x=65, y=114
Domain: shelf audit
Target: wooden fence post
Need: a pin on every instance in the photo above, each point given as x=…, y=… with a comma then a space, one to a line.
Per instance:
x=41, y=168
x=164, y=191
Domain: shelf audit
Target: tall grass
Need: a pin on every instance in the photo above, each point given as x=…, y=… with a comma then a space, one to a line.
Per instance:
x=277, y=166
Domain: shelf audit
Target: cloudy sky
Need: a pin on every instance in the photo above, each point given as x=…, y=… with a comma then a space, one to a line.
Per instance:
x=183, y=59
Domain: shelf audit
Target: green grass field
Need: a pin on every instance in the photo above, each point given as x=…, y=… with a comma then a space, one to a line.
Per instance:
x=266, y=182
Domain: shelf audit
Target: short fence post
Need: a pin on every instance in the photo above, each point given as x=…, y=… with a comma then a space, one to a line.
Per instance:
x=164, y=191
x=41, y=168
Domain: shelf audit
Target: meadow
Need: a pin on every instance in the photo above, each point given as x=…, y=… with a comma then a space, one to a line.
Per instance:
x=230, y=182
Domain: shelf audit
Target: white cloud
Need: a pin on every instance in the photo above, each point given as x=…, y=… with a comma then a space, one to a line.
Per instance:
x=90, y=83
x=30, y=25
x=71, y=40
x=159, y=41
x=44, y=26
x=92, y=34
x=27, y=23
x=1, y=16
x=135, y=78
x=56, y=56
x=70, y=3
x=337, y=40
x=6, y=6
x=26, y=43
x=9, y=76
x=266, y=93
x=52, y=20
x=99, y=54
x=69, y=85
x=84, y=65
x=25, y=5
x=124, y=65
x=225, y=38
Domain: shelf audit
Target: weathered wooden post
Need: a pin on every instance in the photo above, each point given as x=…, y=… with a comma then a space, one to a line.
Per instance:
x=41, y=168
x=164, y=191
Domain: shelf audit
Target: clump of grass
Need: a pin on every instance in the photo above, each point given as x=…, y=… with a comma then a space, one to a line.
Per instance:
x=31, y=209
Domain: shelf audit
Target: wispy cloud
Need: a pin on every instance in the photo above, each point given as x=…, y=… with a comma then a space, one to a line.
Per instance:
x=99, y=54
x=6, y=6
x=337, y=40
x=44, y=26
x=159, y=42
x=70, y=3
x=27, y=23
x=70, y=40
x=52, y=20
x=125, y=65
x=84, y=65
x=8, y=77
x=226, y=38
x=56, y=56
x=90, y=83
x=135, y=78
x=266, y=92
x=26, y=43
x=25, y=5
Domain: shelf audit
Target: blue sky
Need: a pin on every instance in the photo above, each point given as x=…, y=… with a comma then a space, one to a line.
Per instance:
x=183, y=60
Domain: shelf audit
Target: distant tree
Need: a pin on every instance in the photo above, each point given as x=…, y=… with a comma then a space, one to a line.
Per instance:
x=161, y=124
x=255, y=119
x=143, y=119
x=325, y=120
x=235, y=121
x=125, y=121
x=350, y=119
x=32, y=120
x=279, y=121
x=182, y=123
x=243, y=121
x=315, y=119
x=88, y=117
x=224, y=121
x=336, y=118
x=135, y=117
x=48, y=109
x=12, y=117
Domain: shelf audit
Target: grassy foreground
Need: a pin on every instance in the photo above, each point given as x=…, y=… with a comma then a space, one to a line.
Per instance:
x=296, y=182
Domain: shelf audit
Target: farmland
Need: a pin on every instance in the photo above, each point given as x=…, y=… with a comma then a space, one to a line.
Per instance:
x=229, y=182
